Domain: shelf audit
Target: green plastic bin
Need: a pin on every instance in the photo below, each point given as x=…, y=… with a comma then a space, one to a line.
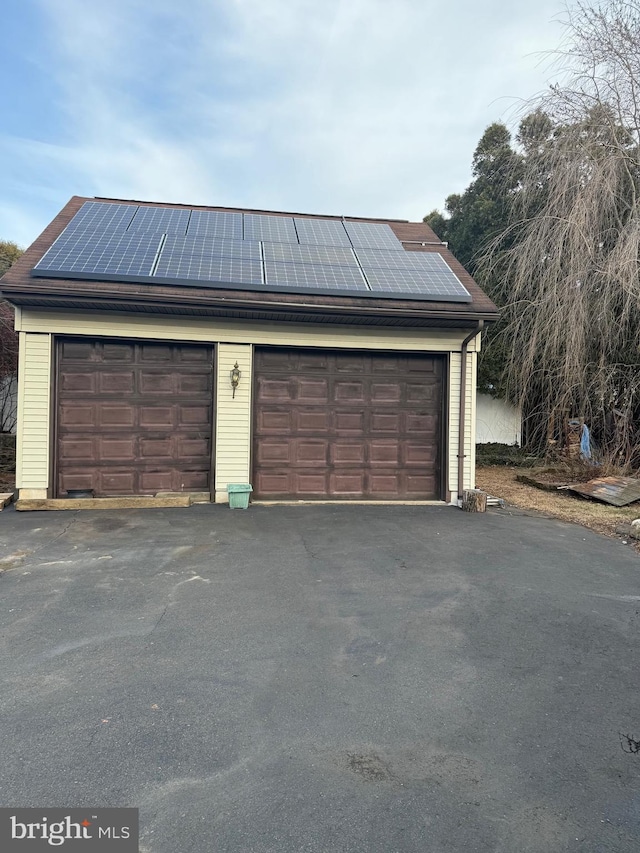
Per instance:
x=239, y=495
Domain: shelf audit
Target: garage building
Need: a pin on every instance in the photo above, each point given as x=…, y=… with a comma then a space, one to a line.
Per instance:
x=169, y=348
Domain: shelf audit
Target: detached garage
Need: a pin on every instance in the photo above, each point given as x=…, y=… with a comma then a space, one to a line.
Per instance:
x=167, y=348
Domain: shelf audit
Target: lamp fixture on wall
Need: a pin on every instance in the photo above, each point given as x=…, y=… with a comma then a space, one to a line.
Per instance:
x=235, y=375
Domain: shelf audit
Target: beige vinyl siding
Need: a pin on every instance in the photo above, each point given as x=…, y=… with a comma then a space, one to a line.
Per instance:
x=33, y=436
x=454, y=420
x=233, y=418
x=327, y=336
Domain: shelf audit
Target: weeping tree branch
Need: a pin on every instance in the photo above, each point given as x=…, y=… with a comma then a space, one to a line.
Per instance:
x=571, y=256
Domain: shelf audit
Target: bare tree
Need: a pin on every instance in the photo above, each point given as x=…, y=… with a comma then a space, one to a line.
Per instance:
x=570, y=258
x=9, y=252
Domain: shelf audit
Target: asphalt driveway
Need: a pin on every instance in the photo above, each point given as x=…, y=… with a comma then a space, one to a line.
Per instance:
x=324, y=679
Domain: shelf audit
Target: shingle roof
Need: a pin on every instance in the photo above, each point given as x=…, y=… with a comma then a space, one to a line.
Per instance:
x=21, y=288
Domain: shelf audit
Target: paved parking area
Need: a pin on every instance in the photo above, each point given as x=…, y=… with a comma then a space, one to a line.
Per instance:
x=324, y=679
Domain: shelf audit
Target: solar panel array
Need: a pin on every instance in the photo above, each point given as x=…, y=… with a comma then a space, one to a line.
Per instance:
x=166, y=245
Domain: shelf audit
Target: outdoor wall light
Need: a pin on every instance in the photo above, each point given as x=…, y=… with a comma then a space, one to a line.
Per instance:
x=235, y=375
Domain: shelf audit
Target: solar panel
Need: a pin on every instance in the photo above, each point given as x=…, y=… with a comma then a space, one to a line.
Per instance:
x=272, y=229
x=212, y=269
x=84, y=255
x=102, y=216
x=372, y=235
x=387, y=260
x=437, y=282
x=201, y=245
x=314, y=277
x=321, y=232
x=338, y=256
x=214, y=223
x=160, y=220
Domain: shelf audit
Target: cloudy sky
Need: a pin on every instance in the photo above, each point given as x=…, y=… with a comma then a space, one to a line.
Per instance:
x=354, y=107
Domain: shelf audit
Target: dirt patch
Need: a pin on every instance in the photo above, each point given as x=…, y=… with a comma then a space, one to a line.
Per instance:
x=501, y=482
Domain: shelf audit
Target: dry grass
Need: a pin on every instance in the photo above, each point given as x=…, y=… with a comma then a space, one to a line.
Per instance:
x=501, y=482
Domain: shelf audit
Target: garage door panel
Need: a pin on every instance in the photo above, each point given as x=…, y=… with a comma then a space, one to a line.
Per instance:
x=422, y=423
x=386, y=422
x=156, y=448
x=310, y=452
x=194, y=383
x=273, y=451
x=422, y=392
x=346, y=484
x=72, y=414
x=346, y=421
x=415, y=485
x=377, y=433
x=352, y=363
x=314, y=420
x=280, y=360
x=274, y=483
x=157, y=481
x=152, y=417
x=81, y=350
x=386, y=364
x=114, y=415
x=156, y=353
x=193, y=416
x=347, y=453
x=80, y=449
x=418, y=453
x=133, y=417
x=116, y=449
x=191, y=481
x=114, y=382
x=78, y=478
x=114, y=352
x=155, y=382
x=115, y=482
x=80, y=383
x=304, y=360
x=275, y=421
x=273, y=390
x=386, y=392
x=385, y=484
x=309, y=484
x=384, y=452
x=354, y=392
x=312, y=391
x=194, y=355
x=193, y=448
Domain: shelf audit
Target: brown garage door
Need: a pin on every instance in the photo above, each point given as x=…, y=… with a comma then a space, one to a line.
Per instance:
x=133, y=418
x=347, y=425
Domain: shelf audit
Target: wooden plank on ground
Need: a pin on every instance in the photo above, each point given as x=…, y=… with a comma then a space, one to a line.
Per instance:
x=5, y=499
x=617, y=491
x=142, y=502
